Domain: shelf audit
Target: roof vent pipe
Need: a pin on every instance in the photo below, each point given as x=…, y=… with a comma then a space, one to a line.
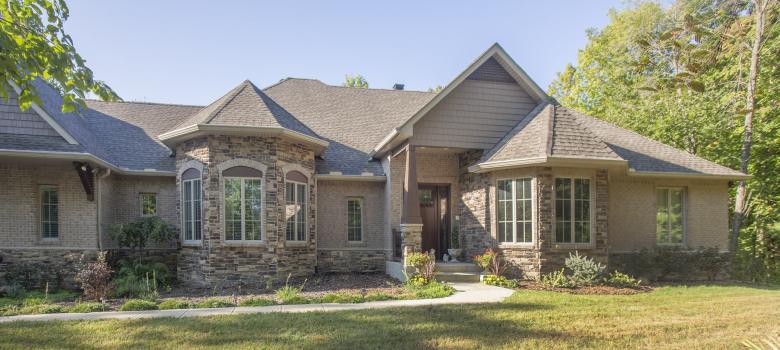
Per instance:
x=398, y=86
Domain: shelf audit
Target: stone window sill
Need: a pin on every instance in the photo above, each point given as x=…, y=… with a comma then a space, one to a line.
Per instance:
x=194, y=244
x=296, y=243
x=243, y=243
x=516, y=246
x=49, y=241
x=357, y=243
x=573, y=246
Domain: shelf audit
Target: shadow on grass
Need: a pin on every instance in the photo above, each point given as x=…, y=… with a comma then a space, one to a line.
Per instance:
x=449, y=326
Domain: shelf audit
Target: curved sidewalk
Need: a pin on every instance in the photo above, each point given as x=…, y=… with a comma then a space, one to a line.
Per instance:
x=466, y=293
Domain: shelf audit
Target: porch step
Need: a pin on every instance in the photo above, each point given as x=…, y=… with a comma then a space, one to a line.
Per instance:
x=458, y=276
x=458, y=267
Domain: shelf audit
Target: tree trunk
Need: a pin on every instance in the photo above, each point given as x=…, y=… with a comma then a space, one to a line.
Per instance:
x=759, y=13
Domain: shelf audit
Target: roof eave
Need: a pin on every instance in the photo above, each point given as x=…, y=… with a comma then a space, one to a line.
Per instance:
x=83, y=157
x=740, y=176
x=547, y=161
x=172, y=138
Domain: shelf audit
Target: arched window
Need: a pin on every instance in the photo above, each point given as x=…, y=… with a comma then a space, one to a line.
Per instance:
x=191, y=205
x=296, y=196
x=243, y=199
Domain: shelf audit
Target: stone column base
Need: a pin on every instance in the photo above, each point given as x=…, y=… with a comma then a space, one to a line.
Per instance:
x=411, y=239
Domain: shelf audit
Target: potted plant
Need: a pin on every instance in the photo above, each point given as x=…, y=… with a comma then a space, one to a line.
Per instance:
x=455, y=250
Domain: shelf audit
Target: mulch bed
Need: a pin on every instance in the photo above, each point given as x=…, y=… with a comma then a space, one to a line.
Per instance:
x=315, y=286
x=590, y=290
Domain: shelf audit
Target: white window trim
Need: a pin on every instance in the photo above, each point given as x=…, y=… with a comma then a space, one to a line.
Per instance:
x=573, y=245
x=243, y=240
x=41, y=189
x=534, y=235
x=362, y=220
x=305, y=214
x=684, y=242
x=141, y=204
x=184, y=239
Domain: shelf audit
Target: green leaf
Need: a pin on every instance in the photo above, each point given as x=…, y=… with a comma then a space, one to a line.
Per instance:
x=696, y=86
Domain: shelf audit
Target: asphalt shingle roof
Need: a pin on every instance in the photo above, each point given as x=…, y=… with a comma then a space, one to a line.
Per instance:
x=556, y=131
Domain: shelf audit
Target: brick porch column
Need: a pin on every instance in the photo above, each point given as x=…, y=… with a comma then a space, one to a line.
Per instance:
x=411, y=221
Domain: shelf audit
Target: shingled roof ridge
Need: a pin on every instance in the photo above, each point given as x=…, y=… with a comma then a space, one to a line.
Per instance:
x=576, y=115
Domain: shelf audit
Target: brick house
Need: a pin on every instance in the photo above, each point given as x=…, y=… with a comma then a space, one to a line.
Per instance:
x=303, y=177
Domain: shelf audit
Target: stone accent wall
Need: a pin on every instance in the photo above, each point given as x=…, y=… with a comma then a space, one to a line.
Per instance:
x=216, y=261
x=473, y=206
x=350, y=260
x=58, y=267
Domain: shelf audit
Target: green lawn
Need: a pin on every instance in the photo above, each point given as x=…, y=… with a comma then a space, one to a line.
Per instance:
x=670, y=317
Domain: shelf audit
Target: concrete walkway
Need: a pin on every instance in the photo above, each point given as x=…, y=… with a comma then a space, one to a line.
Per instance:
x=466, y=293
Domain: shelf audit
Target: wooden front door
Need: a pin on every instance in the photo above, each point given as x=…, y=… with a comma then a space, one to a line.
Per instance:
x=435, y=213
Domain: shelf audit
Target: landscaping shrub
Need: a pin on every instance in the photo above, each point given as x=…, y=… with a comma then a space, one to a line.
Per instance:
x=491, y=261
x=140, y=280
x=557, y=279
x=424, y=263
x=621, y=280
x=432, y=290
x=499, y=281
x=172, y=304
x=138, y=305
x=95, y=278
x=584, y=271
x=88, y=307
x=214, y=303
x=15, y=291
x=257, y=302
x=135, y=235
x=417, y=280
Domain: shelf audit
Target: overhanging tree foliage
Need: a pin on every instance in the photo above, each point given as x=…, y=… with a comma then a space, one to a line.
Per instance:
x=355, y=81
x=34, y=45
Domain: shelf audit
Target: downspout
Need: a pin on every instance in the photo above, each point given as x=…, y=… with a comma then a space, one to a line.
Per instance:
x=98, y=194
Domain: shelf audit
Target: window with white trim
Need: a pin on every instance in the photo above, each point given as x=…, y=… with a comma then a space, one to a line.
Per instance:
x=354, y=219
x=514, y=211
x=50, y=212
x=148, y=204
x=670, y=216
x=191, y=205
x=243, y=208
x=295, y=210
x=572, y=210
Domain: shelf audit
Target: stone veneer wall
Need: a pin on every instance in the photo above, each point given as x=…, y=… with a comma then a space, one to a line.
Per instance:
x=58, y=266
x=217, y=262
x=473, y=206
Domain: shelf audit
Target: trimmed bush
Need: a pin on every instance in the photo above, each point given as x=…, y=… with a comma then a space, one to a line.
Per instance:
x=172, y=304
x=214, y=303
x=88, y=307
x=432, y=290
x=621, y=280
x=138, y=305
x=257, y=302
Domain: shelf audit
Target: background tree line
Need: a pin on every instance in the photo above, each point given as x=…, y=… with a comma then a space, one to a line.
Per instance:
x=703, y=76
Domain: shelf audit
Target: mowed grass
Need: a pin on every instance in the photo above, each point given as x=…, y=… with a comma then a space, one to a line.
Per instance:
x=705, y=317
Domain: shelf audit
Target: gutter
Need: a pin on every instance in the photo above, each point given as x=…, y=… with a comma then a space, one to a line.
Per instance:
x=202, y=129
x=633, y=172
x=549, y=161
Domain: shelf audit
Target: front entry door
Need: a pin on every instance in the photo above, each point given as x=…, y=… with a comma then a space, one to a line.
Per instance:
x=435, y=213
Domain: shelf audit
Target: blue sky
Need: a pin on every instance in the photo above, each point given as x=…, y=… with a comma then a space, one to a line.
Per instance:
x=193, y=52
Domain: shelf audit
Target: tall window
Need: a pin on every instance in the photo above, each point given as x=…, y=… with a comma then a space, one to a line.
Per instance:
x=572, y=210
x=148, y=204
x=354, y=219
x=295, y=212
x=243, y=204
x=50, y=227
x=670, y=223
x=514, y=211
x=191, y=205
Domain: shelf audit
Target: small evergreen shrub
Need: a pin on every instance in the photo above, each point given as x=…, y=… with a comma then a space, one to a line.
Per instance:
x=138, y=305
x=621, y=280
x=88, y=307
x=94, y=278
x=557, y=279
x=173, y=304
x=135, y=279
x=584, y=271
x=15, y=290
x=257, y=302
x=499, y=281
x=214, y=303
x=40, y=309
x=432, y=290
